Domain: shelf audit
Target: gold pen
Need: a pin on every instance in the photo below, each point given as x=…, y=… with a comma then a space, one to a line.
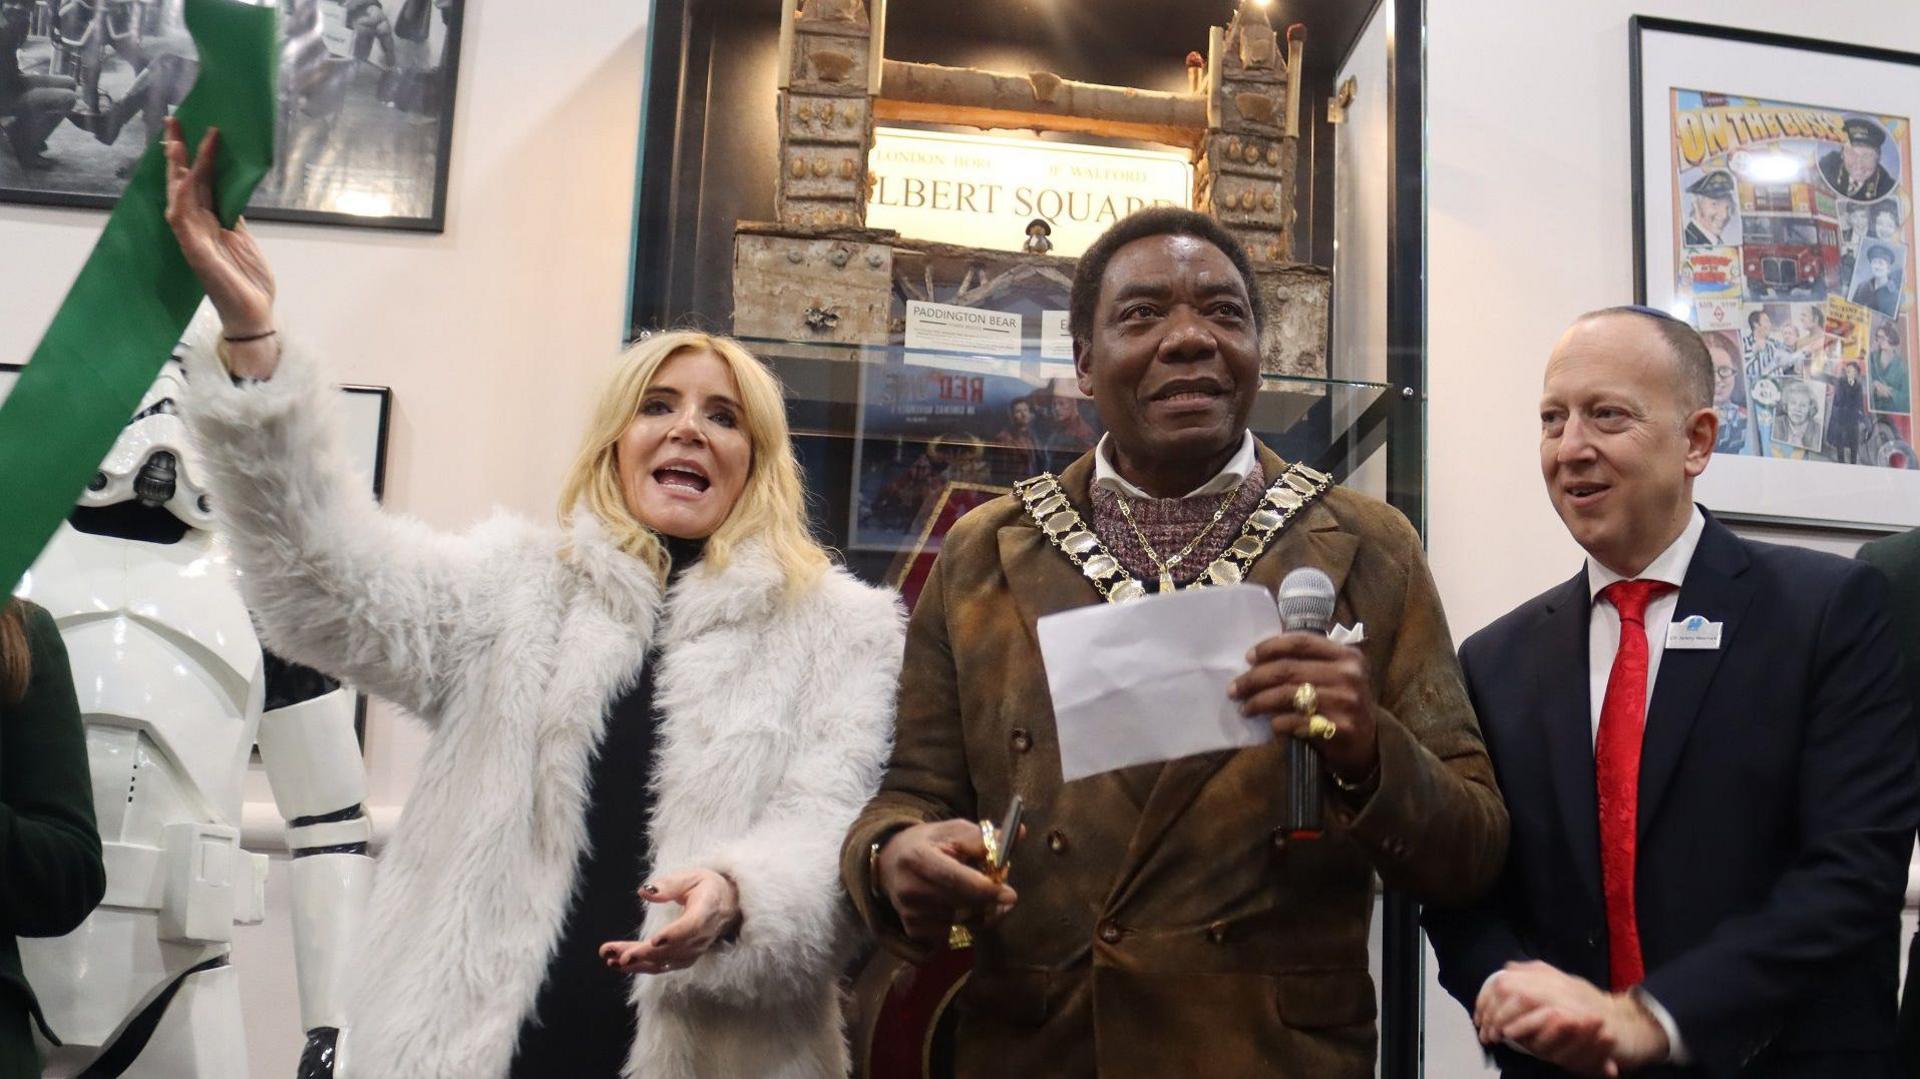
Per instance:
x=999, y=844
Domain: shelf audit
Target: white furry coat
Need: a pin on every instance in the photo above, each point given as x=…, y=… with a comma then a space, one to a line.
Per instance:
x=511, y=642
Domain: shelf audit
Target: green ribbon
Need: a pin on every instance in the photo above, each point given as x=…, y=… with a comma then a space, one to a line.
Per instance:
x=135, y=295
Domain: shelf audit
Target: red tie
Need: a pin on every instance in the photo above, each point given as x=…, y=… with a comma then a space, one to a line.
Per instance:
x=1616, y=758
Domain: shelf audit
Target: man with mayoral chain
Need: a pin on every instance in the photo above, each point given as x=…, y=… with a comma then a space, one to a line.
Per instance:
x=1160, y=914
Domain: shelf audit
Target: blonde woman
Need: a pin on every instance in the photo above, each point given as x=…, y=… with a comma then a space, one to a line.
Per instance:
x=673, y=702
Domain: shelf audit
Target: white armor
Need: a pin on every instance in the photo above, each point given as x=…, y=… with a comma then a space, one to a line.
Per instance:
x=171, y=681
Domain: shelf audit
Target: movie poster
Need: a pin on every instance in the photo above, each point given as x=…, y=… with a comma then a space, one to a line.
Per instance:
x=1793, y=254
x=930, y=422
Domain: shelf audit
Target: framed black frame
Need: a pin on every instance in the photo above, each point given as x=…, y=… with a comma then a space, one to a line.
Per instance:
x=384, y=396
x=1639, y=24
x=448, y=76
x=1753, y=484
x=381, y=397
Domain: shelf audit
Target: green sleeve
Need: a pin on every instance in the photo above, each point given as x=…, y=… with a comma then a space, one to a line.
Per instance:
x=51, y=876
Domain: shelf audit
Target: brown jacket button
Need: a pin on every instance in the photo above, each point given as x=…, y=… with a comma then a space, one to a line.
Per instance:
x=1110, y=932
x=1022, y=741
x=1217, y=932
x=1278, y=839
x=1057, y=841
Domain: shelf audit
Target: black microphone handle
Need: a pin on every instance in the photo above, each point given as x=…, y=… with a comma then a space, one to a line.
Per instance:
x=1305, y=816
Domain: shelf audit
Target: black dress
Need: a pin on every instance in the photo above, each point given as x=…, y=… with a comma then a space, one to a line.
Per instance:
x=581, y=1025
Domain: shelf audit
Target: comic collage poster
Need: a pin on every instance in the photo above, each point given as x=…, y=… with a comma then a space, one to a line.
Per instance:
x=1794, y=253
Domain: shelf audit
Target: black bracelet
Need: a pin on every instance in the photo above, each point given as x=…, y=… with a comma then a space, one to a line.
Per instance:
x=249, y=337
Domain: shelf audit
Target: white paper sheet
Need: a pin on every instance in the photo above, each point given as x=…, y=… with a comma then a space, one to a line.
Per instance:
x=1147, y=680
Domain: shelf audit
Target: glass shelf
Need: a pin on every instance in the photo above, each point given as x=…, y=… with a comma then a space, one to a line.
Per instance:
x=896, y=443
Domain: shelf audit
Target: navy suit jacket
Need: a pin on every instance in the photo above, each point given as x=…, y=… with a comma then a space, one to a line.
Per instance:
x=1777, y=812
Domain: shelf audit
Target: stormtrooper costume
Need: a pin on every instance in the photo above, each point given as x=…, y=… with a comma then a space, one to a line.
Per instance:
x=172, y=686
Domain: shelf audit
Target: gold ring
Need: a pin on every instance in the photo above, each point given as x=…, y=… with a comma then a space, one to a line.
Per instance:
x=958, y=937
x=1306, y=699
x=1319, y=726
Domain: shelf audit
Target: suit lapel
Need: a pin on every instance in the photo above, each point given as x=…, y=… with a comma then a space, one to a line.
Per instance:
x=1045, y=582
x=1312, y=539
x=1560, y=688
x=1714, y=589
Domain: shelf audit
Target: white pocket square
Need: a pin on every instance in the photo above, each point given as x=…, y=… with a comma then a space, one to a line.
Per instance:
x=1348, y=634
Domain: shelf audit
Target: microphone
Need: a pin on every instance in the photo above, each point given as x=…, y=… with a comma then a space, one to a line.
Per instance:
x=1306, y=606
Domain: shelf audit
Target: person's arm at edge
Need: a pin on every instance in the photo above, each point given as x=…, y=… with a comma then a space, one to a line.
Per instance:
x=927, y=778
x=1435, y=825
x=51, y=873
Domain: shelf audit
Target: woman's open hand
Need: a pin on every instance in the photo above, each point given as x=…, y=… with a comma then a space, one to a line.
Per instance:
x=712, y=911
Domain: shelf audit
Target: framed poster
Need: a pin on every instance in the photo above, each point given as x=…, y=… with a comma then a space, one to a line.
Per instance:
x=928, y=421
x=364, y=415
x=364, y=132
x=1773, y=196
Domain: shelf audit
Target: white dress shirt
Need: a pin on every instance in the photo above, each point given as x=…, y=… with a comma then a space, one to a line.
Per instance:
x=1603, y=626
x=1104, y=474
x=1603, y=643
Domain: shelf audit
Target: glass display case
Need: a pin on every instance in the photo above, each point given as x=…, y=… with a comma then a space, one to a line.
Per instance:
x=898, y=443
x=764, y=211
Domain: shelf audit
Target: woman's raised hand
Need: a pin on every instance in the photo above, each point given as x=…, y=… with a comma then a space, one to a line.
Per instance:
x=228, y=262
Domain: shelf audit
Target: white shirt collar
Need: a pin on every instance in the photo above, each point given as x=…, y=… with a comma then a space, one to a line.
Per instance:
x=1226, y=479
x=1670, y=566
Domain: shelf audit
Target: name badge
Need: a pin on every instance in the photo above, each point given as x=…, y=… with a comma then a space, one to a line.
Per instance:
x=1694, y=632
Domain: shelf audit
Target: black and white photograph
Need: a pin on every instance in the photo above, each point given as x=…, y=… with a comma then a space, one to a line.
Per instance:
x=1800, y=419
x=366, y=104
x=1877, y=278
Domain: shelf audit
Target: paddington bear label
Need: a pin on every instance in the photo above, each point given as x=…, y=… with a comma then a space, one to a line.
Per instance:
x=962, y=329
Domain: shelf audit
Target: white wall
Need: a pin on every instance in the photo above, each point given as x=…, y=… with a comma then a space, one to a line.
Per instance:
x=493, y=335
x=1530, y=223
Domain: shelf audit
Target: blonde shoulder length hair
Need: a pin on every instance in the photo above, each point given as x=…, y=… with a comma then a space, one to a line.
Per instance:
x=772, y=504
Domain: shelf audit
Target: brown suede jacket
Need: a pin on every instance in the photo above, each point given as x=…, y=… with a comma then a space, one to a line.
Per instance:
x=1180, y=932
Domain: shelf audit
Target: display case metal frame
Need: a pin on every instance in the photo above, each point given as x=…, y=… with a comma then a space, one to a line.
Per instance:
x=669, y=242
